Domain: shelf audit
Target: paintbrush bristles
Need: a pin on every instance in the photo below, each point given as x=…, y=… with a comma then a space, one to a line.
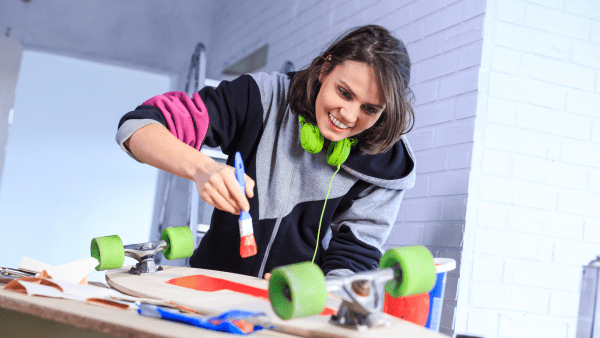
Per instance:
x=247, y=241
x=248, y=246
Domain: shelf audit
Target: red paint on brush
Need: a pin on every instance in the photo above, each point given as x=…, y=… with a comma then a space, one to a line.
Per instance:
x=247, y=246
x=212, y=284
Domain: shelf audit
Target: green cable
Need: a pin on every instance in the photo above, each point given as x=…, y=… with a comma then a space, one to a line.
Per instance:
x=323, y=212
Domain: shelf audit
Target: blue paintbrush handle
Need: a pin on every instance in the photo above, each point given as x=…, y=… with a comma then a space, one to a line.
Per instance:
x=239, y=171
x=240, y=177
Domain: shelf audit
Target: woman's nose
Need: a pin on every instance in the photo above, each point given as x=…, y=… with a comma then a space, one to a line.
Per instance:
x=350, y=114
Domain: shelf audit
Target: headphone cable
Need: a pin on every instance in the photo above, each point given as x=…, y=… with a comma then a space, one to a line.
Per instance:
x=323, y=212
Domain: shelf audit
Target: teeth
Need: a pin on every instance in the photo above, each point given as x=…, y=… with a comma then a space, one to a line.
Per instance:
x=337, y=122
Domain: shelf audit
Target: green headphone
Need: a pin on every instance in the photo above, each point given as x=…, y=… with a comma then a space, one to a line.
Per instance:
x=312, y=141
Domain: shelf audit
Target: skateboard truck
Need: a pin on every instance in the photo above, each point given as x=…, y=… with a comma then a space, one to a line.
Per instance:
x=300, y=290
x=144, y=254
x=362, y=298
x=176, y=242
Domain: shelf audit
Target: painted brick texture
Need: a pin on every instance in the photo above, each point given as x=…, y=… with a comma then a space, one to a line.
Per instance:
x=444, y=40
x=506, y=131
x=533, y=214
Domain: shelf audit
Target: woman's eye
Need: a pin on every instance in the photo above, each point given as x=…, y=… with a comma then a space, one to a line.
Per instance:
x=371, y=111
x=344, y=93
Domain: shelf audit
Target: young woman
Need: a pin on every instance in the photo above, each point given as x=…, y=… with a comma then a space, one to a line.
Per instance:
x=354, y=94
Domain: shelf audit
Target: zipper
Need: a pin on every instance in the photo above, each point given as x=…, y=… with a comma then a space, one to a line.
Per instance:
x=279, y=218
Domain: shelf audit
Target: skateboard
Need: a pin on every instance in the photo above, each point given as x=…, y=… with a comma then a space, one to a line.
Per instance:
x=297, y=298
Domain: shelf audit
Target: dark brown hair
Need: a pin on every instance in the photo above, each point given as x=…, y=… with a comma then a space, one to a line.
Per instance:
x=387, y=55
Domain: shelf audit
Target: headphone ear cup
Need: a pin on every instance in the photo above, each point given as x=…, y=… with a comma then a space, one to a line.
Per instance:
x=311, y=138
x=338, y=152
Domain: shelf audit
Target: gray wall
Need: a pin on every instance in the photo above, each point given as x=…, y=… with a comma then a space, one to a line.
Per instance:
x=10, y=59
x=149, y=34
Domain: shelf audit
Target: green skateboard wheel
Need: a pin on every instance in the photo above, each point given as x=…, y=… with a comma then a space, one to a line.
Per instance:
x=181, y=242
x=418, y=270
x=108, y=251
x=297, y=290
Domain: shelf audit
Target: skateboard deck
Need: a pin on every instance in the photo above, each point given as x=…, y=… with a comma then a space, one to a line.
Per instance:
x=210, y=292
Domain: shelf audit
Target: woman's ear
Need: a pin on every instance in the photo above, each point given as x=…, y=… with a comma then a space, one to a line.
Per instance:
x=324, y=68
x=322, y=71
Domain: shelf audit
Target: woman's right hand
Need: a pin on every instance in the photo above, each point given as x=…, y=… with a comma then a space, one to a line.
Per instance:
x=217, y=185
x=155, y=145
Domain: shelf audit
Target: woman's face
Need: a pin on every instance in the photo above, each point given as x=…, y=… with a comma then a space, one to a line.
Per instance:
x=349, y=101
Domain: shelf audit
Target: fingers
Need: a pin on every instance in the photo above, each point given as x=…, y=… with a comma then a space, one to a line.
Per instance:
x=237, y=195
x=249, y=187
x=219, y=202
x=267, y=276
x=224, y=192
x=215, y=192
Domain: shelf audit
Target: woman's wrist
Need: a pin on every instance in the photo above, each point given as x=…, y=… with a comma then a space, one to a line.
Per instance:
x=201, y=166
x=155, y=145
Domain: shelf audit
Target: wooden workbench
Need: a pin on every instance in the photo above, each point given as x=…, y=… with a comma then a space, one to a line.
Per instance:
x=26, y=316
x=31, y=316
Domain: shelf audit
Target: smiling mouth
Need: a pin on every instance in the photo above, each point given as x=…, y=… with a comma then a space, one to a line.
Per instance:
x=336, y=124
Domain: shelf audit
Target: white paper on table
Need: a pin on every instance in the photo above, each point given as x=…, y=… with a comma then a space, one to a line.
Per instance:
x=34, y=289
x=66, y=290
x=72, y=272
x=33, y=265
x=68, y=277
x=85, y=291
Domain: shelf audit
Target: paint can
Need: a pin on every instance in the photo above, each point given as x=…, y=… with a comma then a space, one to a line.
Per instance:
x=436, y=295
x=588, y=321
x=423, y=309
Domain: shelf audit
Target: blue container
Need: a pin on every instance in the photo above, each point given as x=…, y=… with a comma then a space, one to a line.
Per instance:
x=436, y=295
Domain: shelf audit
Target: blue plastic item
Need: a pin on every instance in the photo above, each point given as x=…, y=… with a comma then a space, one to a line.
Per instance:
x=224, y=319
x=436, y=299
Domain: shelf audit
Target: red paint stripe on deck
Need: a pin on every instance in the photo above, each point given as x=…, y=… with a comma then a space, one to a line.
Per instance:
x=212, y=284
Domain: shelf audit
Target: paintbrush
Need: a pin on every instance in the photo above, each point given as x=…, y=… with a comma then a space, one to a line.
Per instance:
x=247, y=241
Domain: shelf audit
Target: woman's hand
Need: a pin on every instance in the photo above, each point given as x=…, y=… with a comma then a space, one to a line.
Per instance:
x=217, y=185
x=155, y=145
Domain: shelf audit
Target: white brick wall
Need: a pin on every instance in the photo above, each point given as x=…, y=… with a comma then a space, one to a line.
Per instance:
x=444, y=40
x=533, y=214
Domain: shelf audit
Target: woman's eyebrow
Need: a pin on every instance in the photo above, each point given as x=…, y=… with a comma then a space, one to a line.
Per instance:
x=352, y=93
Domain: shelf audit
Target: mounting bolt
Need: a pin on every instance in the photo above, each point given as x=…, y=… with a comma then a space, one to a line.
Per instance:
x=362, y=288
